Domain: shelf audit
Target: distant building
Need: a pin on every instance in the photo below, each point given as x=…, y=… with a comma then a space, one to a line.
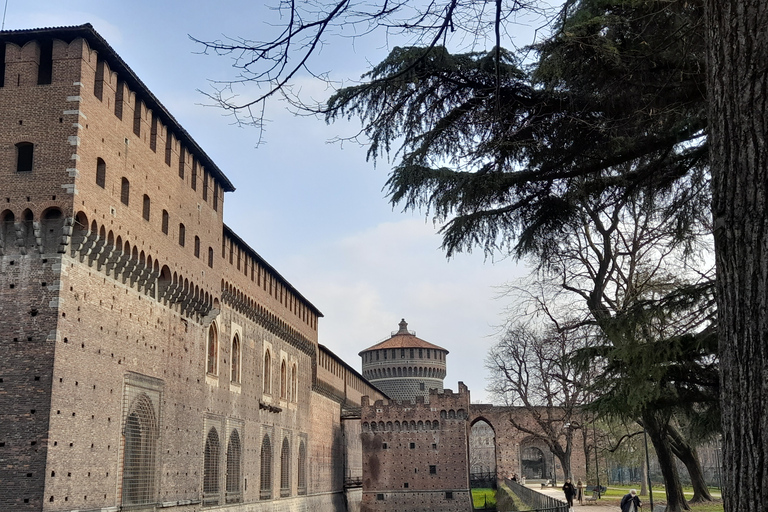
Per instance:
x=404, y=366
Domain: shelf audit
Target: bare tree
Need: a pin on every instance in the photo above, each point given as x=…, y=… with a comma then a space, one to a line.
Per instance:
x=533, y=369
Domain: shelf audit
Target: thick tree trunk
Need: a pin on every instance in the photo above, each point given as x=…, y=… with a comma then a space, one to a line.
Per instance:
x=737, y=87
x=656, y=426
x=688, y=456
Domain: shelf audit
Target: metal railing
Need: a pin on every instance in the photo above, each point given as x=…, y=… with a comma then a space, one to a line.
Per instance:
x=537, y=501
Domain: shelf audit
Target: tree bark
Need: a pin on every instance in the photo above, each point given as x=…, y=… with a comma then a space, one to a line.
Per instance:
x=656, y=426
x=688, y=456
x=737, y=87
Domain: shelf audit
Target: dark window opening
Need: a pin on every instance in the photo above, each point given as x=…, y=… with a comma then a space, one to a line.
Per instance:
x=412, y=446
x=432, y=470
x=24, y=152
x=182, y=158
x=182, y=234
x=205, y=185
x=153, y=134
x=405, y=485
x=380, y=497
x=137, y=117
x=101, y=173
x=197, y=246
x=45, y=69
x=145, y=208
x=125, y=191
x=168, y=148
x=215, y=196
x=98, y=83
x=165, y=222
x=449, y=495
x=119, y=99
x=210, y=257
x=193, y=177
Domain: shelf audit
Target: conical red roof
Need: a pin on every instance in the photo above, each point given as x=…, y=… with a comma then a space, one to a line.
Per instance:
x=403, y=338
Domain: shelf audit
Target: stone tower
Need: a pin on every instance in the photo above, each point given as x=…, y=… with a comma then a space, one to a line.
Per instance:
x=404, y=366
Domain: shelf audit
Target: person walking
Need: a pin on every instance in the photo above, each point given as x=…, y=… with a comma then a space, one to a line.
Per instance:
x=631, y=502
x=570, y=492
x=580, y=491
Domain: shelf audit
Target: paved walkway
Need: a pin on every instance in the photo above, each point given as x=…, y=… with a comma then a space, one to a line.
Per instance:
x=611, y=503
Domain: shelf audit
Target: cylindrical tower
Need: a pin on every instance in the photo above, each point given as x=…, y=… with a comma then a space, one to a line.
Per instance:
x=404, y=366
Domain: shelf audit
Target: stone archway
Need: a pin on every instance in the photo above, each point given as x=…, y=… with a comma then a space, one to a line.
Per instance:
x=533, y=463
x=482, y=454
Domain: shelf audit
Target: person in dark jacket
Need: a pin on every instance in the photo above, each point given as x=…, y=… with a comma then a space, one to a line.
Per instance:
x=631, y=502
x=570, y=491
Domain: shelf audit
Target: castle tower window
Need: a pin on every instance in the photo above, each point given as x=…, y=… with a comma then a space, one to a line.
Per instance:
x=402, y=353
x=210, y=257
x=24, y=153
x=420, y=354
x=236, y=359
x=165, y=221
x=267, y=373
x=265, y=489
x=294, y=384
x=205, y=185
x=283, y=378
x=193, y=176
x=137, y=116
x=211, y=469
x=182, y=234
x=125, y=191
x=215, y=196
x=197, y=246
x=234, y=456
x=153, y=134
x=285, y=469
x=98, y=83
x=213, y=351
x=119, y=90
x=45, y=69
x=145, y=207
x=168, y=147
x=182, y=158
x=302, y=483
x=140, y=433
x=101, y=173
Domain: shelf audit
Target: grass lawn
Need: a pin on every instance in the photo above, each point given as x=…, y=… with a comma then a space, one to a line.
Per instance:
x=659, y=496
x=484, y=497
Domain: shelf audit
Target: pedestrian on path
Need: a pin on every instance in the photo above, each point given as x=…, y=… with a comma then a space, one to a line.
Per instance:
x=631, y=502
x=570, y=492
x=580, y=489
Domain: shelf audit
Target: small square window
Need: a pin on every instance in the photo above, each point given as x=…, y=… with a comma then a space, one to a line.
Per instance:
x=432, y=470
x=384, y=446
x=405, y=485
x=434, y=446
x=412, y=446
x=380, y=497
x=449, y=495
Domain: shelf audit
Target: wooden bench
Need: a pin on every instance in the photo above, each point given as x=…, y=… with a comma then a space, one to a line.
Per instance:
x=595, y=494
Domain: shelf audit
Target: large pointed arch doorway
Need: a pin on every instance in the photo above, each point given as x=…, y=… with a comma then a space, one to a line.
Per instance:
x=482, y=455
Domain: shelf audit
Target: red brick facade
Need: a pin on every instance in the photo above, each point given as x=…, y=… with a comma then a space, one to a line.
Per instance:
x=148, y=356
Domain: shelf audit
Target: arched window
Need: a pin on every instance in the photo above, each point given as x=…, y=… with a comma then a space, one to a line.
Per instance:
x=234, y=453
x=283, y=386
x=213, y=351
x=197, y=246
x=211, y=469
x=285, y=469
x=267, y=373
x=265, y=489
x=294, y=384
x=140, y=437
x=182, y=234
x=210, y=257
x=101, y=173
x=125, y=191
x=145, y=208
x=24, y=152
x=164, y=226
x=302, y=469
x=236, y=359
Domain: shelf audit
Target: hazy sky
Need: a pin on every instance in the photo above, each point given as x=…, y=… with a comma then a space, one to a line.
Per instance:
x=314, y=210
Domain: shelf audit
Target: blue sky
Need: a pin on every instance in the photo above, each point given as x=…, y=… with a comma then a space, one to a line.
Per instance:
x=313, y=209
